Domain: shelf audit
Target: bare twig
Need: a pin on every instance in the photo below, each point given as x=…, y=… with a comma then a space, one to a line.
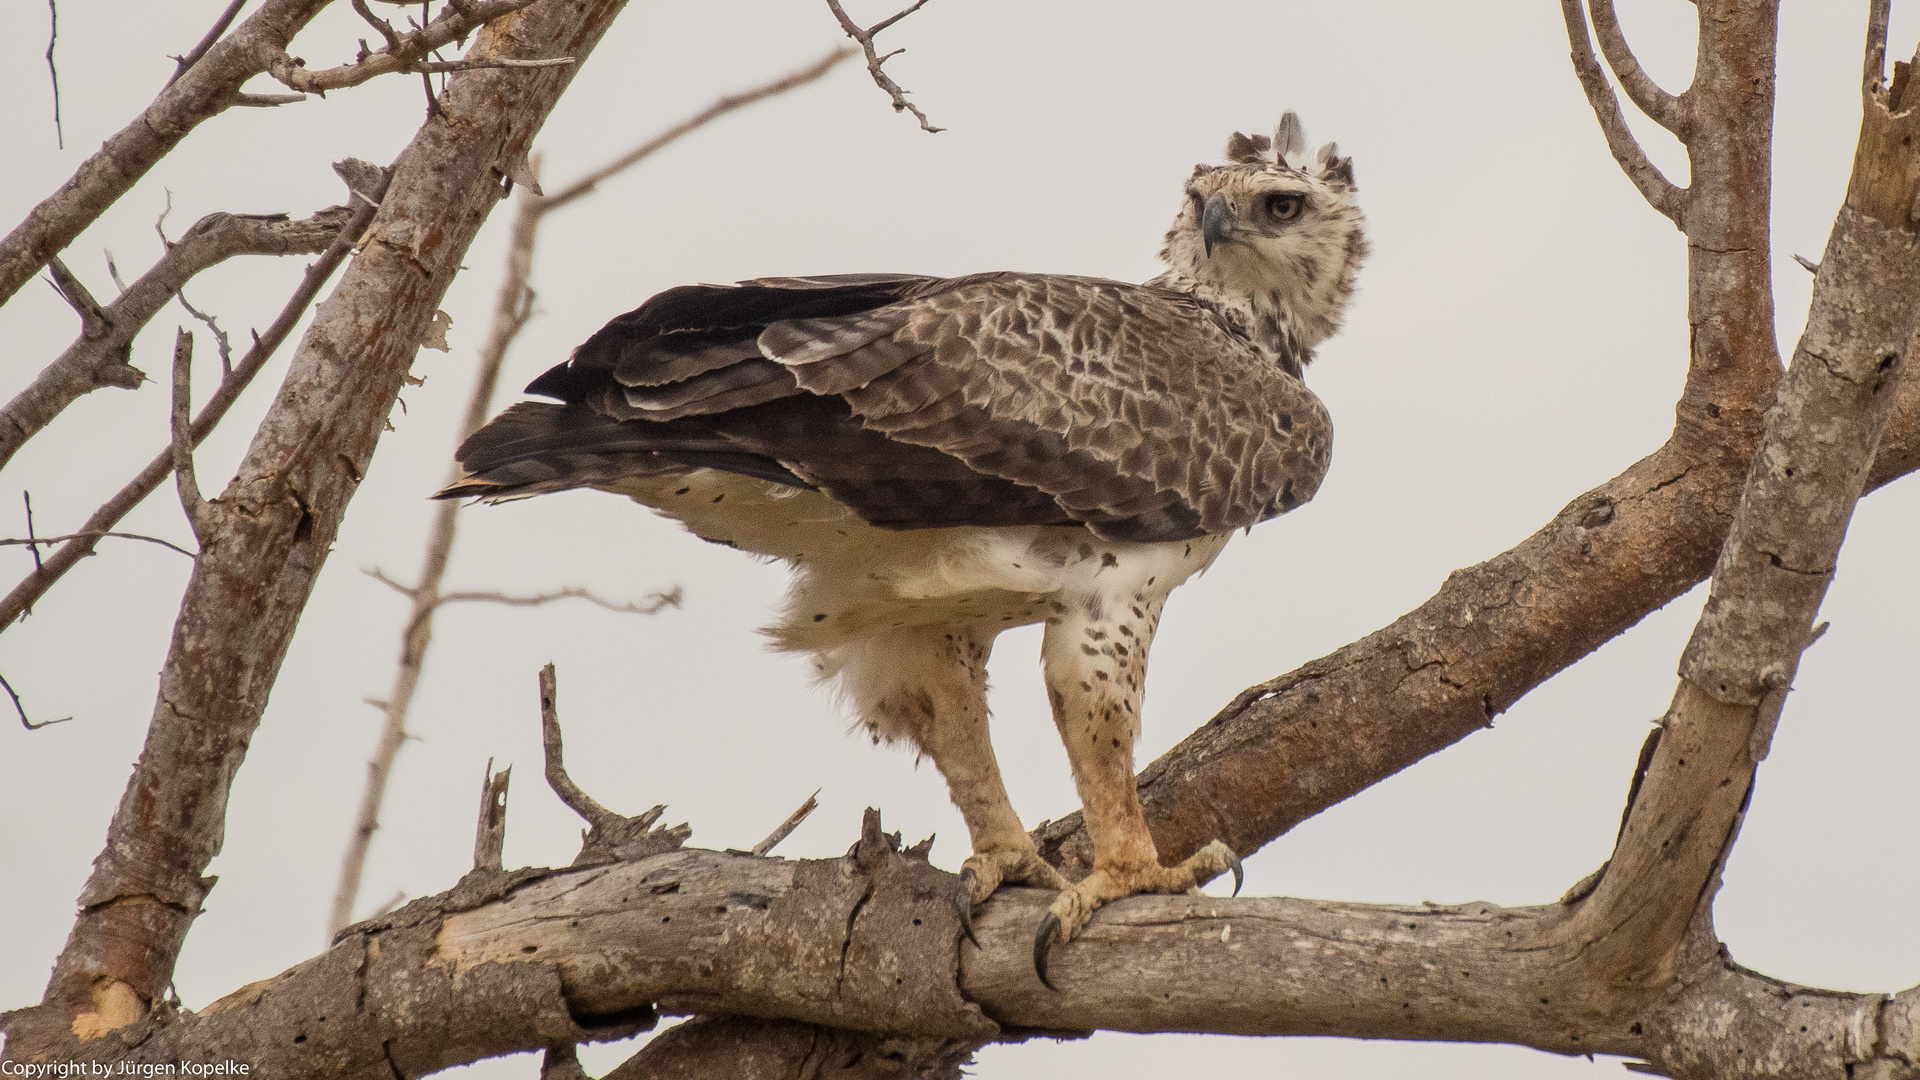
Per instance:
x=793, y=79
x=405, y=52
x=53, y=35
x=33, y=543
x=99, y=356
x=441, y=67
x=93, y=321
x=265, y=101
x=786, y=827
x=577, y=800
x=490, y=833
x=184, y=477
x=399, y=897
x=653, y=605
x=1659, y=192
x=222, y=343
x=32, y=540
x=874, y=60
x=102, y=521
x=1665, y=109
x=22, y=709
x=1807, y=264
x=184, y=64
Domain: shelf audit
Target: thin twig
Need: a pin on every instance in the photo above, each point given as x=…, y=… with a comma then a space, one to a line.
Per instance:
x=653, y=605
x=33, y=544
x=579, y=801
x=786, y=827
x=85, y=539
x=221, y=342
x=53, y=35
x=184, y=477
x=880, y=79
x=1665, y=109
x=1659, y=192
x=22, y=710
x=791, y=80
x=1873, y=71
x=265, y=101
x=441, y=67
x=184, y=64
x=32, y=540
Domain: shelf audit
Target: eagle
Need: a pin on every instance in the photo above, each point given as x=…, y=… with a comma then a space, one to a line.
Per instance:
x=941, y=459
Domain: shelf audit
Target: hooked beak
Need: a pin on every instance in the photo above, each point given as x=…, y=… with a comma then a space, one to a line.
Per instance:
x=1216, y=222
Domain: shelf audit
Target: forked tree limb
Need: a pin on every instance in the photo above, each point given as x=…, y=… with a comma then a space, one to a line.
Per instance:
x=99, y=356
x=408, y=51
x=87, y=537
x=1661, y=194
x=1667, y=110
x=251, y=583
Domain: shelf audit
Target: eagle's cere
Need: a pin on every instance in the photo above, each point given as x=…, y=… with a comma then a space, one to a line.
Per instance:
x=939, y=459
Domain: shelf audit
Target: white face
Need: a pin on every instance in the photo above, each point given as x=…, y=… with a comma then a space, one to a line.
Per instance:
x=1272, y=235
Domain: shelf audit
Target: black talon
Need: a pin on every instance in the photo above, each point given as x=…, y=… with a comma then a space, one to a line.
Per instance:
x=1239, y=874
x=1043, y=944
x=963, y=903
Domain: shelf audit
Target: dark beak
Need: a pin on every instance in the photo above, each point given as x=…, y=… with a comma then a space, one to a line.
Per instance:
x=1216, y=222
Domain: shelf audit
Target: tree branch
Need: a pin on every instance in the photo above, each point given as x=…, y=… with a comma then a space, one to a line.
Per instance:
x=184, y=64
x=34, y=586
x=874, y=60
x=1660, y=193
x=184, y=477
x=407, y=52
x=1665, y=109
x=98, y=357
x=251, y=584
x=202, y=92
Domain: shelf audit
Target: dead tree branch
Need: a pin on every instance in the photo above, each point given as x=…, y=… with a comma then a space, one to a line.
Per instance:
x=86, y=538
x=786, y=827
x=251, y=585
x=184, y=64
x=21, y=709
x=408, y=51
x=37, y=540
x=874, y=60
x=490, y=834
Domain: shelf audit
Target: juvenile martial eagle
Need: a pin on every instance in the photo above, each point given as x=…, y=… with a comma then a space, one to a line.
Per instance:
x=939, y=459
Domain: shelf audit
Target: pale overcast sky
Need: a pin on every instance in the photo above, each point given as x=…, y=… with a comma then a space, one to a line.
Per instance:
x=1519, y=336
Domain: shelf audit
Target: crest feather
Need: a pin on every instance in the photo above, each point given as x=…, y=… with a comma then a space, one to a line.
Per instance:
x=1248, y=149
x=1290, y=140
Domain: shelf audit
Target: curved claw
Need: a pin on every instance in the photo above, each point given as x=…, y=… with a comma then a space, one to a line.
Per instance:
x=1239, y=873
x=1042, y=945
x=963, y=904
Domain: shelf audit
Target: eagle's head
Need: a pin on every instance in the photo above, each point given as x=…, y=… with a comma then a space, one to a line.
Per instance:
x=1273, y=237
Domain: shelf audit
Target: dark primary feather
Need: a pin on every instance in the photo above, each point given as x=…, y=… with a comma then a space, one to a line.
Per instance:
x=995, y=399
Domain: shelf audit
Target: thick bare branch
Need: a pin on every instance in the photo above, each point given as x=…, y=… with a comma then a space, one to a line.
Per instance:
x=1667, y=110
x=87, y=537
x=251, y=584
x=99, y=356
x=539, y=957
x=1660, y=193
x=874, y=60
x=196, y=95
x=408, y=51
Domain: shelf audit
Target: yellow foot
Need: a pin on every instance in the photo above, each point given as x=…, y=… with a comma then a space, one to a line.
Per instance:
x=1076, y=904
x=985, y=871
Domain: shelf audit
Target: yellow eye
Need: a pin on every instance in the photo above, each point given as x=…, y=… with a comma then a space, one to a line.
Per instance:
x=1285, y=206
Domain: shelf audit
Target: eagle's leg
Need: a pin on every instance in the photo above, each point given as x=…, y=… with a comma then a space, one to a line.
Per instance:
x=929, y=685
x=1095, y=656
